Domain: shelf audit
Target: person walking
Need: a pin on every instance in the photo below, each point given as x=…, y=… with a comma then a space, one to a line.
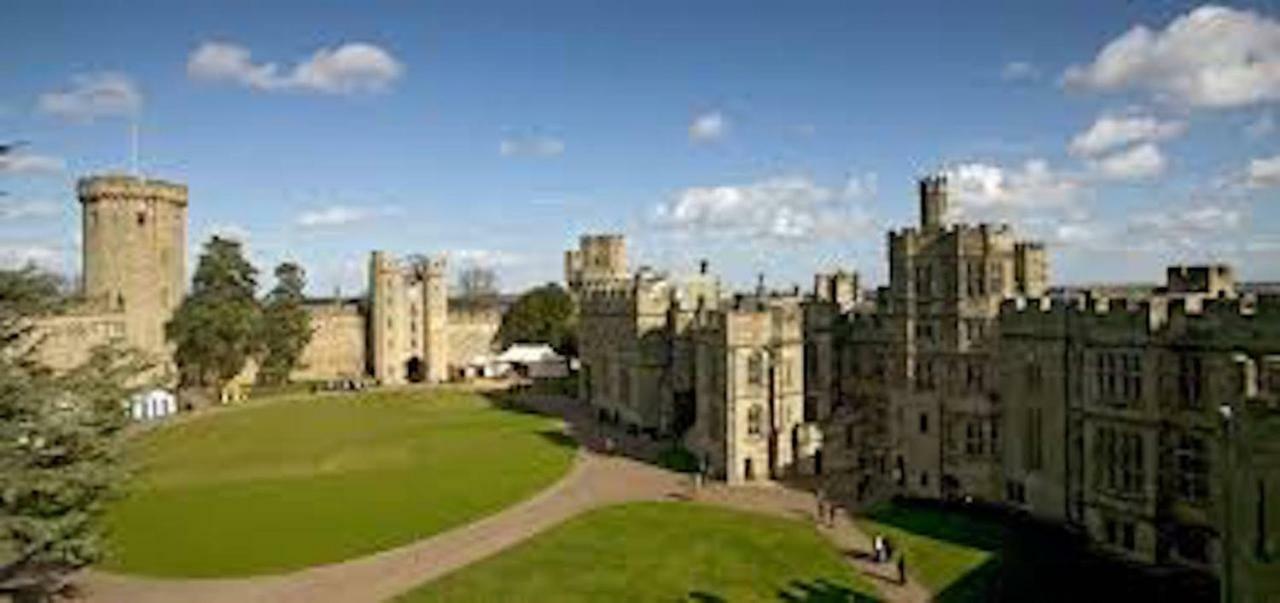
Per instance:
x=877, y=548
x=902, y=569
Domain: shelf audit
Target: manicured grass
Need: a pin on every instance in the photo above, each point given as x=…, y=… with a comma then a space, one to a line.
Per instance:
x=307, y=480
x=669, y=551
x=941, y=548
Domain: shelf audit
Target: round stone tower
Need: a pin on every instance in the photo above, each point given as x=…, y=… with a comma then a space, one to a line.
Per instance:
x=135, y=258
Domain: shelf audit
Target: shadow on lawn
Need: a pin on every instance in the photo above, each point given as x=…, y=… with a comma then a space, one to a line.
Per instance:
x=1034, y=560
x=798, y=591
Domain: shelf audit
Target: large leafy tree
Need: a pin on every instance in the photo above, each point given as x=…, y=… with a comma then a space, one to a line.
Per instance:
x=541, y=315
x=215, y=330
x=59, y=443
x=286, y=324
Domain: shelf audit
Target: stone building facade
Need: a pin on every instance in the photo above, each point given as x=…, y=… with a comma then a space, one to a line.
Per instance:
x=1150, y=423
x=677, y=357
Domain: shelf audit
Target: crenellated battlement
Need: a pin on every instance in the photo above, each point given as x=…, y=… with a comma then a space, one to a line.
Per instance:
x=113, y=187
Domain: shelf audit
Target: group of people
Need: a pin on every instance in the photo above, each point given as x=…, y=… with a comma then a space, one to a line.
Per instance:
x=883, y=551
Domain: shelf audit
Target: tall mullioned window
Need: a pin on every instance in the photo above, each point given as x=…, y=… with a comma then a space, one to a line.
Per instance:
x=755, y=369
x=755, y=420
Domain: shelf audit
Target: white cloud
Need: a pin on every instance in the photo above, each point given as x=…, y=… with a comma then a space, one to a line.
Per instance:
x=1138, y=162
x=487, y=258
x=16, y=255
x=861, y=187
x=1264, y=172
x=1015, y=71
x=30, y=164
x=983, y=189
x=93, y=95
x=13, y=210
x=786, y=208
x=1185, y=227
x=1112, y=131
x=1262, y=127
x=1212, y=56
x=342, y=215
x=350, y=68
x=709, y=127
x=231, y=231
x=533, y=146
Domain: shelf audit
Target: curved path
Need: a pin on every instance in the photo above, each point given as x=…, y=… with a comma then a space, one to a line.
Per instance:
x=596, y=480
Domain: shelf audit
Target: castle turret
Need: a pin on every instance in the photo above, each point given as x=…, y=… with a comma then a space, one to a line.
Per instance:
x=933, y=202
x=435, y=318
x=135, y=253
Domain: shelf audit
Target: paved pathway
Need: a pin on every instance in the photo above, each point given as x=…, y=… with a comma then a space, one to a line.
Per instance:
x=596, y=480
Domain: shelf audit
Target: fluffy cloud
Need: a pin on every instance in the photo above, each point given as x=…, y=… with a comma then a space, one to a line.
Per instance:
x=335, y=216
x=1014, y=71
x=1112, y=131
x=861, y=187
x=16, y=255
x=708, y=127
x=12, y=210
x=30, y=164
x=982, y=189
x=1138, y=162
x=487, y=258
x=1264, y=172
x=91, y=96
x=231, y=231
x=1185, y=227
x=783, y=209
x=354, y=67
x=533, y=146
x=1211, y=57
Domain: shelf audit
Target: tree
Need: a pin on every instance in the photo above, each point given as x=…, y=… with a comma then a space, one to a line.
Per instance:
x=59, y=445
x=478, y=285
x=215, y=330
x=286, y=325
x=541, y=315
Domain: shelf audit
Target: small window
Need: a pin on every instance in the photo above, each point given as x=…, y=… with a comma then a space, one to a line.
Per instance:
x=142, y=218
x=924, y=479
x=1129, y=536
x=924, y=423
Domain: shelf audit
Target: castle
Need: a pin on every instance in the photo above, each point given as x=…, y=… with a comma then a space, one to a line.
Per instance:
x=1150, y=424
x=134, y=278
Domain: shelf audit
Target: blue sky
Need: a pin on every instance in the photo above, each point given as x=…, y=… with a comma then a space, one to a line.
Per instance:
x=767, y=136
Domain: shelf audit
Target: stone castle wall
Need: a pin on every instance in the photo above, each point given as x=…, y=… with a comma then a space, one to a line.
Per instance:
x=338, y=342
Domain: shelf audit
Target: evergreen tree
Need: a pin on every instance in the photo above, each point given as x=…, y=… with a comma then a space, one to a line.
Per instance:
x=59, y=443
x=215, y=330
x=541, y=315
x=286, y=325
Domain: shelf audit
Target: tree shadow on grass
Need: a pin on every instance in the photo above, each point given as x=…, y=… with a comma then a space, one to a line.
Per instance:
x=1035, y=560
x=821, y=591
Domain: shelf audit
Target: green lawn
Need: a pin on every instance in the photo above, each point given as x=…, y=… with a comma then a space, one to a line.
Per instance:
x=970, y=554
x=315, y=479
x=669, y=551
x=941, y=548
